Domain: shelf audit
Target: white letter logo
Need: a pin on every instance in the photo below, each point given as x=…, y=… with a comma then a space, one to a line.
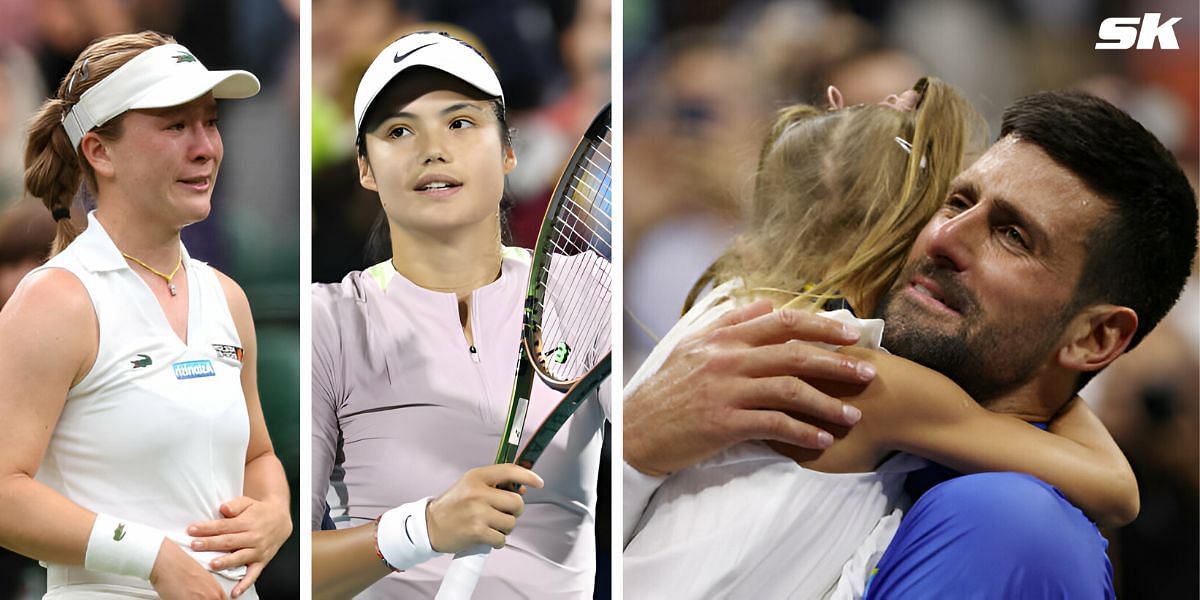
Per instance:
x=1121, y=32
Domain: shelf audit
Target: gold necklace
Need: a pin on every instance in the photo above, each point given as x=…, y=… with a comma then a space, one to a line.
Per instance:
x=166, y=277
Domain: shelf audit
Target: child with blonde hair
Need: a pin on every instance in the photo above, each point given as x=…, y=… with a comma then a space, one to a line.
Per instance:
x=839, y=197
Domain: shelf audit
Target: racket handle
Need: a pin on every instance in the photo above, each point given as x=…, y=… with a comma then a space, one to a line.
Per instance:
x=463, y=574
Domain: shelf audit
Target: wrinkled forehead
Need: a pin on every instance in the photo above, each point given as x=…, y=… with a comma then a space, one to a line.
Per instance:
x=1025, y=179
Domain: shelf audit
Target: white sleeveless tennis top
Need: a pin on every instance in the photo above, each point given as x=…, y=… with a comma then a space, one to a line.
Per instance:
x=157, y=431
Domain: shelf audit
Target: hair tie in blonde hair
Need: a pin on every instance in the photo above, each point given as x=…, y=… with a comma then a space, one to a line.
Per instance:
x=834, y=96
x=61, y=213
x=907, y=147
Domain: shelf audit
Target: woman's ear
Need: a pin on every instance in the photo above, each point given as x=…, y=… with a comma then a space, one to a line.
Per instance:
x=1097, y=336
x=96, y=153
x=366, y=177
x=510, y=160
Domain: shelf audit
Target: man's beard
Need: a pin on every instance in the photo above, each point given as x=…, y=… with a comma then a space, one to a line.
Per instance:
x=986, y=357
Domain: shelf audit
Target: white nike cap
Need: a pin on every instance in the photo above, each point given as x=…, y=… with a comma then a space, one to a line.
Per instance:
x=163, y=76
x=425, y=49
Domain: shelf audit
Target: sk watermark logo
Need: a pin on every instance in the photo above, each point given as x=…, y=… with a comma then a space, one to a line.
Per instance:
x=1122, y=32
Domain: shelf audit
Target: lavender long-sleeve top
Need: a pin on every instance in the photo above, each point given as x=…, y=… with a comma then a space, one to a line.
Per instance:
x=402, y=408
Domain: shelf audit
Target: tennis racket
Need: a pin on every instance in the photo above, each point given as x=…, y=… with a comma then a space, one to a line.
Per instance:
x=565, y=332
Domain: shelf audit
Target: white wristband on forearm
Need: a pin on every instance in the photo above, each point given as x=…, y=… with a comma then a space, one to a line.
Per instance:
x=122, y=548
x=402, y=536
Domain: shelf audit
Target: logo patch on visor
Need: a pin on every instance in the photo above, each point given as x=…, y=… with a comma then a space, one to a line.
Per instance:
x=399, y=57
x=193, y=369
x=183, y=57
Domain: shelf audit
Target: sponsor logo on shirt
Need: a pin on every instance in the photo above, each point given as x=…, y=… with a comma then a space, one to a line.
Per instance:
x=142, y=361
x=193, y=369
x=227, y=351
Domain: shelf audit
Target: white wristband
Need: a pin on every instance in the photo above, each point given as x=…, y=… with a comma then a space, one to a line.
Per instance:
x=122, y=548
x=402, y=536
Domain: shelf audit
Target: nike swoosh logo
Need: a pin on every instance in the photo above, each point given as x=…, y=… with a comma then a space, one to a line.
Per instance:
x=399, y=57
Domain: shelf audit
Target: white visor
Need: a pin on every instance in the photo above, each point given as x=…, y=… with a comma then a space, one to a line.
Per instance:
x=424, y=49
x=160, y=77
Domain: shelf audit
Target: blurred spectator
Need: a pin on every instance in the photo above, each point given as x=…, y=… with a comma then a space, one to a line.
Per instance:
x=20, y=97
x=345, y=29
x=346, y=34
x=873, y=73
x=1150, y=401
x=693, y=123
x=547, y=136
x=26, y=231
x=792, y=42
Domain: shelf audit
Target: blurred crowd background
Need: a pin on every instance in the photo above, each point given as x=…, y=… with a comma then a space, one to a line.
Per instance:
x=703, y=80
x=553, y=58
x=253, y=233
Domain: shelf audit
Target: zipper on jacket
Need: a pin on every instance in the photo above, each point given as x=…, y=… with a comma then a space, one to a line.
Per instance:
x=484, y=407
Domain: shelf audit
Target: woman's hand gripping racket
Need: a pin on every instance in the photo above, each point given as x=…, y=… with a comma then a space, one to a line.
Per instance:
x=565, y=335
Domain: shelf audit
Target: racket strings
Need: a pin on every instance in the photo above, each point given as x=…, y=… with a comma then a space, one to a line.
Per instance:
x=578, y=294
x=589, y=212
x=575, y=281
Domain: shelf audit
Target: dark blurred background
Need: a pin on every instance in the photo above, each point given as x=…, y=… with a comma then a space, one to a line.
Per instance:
x=253, y=233
x=553, y=58
x=703, y=79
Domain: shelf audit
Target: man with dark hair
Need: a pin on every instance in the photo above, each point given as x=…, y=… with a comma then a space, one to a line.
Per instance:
x=1136, y=255
x=1056, y=252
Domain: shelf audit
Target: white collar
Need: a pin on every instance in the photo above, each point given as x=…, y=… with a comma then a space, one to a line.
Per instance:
x=97, y=252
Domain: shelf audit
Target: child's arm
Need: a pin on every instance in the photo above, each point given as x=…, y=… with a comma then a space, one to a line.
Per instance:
x=920, y=411
x=1078, y=423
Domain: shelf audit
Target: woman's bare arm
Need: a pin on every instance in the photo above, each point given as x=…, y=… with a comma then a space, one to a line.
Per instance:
x=48, y=340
